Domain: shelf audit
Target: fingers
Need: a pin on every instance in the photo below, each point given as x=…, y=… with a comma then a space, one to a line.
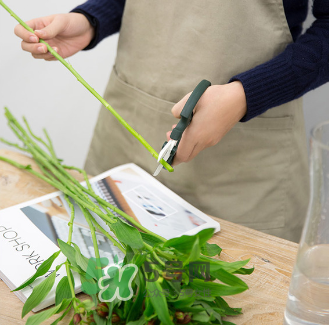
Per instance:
x=57, y=25
x=34, y=48
x=48, y=56
x=24, y=34
x=177, y=108
x=187, y=148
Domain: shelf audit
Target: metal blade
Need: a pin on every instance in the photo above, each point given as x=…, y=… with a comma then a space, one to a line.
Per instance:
x=164, y=154
x=158, y=170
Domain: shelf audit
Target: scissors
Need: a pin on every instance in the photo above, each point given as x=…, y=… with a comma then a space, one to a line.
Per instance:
x=169, y=148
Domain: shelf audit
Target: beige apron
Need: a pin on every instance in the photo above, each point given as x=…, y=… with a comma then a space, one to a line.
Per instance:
x=257, y=175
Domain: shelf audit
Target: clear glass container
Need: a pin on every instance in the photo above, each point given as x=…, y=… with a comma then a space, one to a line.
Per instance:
x=308, y=298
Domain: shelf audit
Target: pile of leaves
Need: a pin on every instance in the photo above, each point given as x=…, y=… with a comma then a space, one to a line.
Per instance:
x=160, y=281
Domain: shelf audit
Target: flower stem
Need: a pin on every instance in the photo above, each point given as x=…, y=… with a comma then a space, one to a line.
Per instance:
x=99, y=97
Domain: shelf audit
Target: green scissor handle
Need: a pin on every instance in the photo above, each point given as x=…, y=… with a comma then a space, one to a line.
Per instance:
x=186, y=116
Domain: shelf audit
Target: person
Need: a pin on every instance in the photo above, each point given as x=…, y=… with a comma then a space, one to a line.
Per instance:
x=245, y=150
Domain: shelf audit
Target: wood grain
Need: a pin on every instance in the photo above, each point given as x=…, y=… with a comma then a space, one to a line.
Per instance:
x=272, y=257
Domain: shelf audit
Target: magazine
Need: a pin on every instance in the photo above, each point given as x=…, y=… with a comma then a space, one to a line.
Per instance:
x=29, y=231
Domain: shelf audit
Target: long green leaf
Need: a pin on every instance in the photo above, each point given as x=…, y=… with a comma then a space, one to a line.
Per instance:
x=213, y=289
x=81, y=260
x=39, y=293
x=229, y=278
x=184, y=243
x=39, y=318
x=63, y=290
x=42, y=270
x=159, y=302
x=68, y=251
x=127, y=234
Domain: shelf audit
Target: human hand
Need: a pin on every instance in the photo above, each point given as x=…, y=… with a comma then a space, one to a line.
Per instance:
x=217, y=111
x=67, y=34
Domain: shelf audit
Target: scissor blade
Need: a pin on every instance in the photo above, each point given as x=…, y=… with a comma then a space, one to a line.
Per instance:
x=158, y=170
x=166, y=150
x=164, y=154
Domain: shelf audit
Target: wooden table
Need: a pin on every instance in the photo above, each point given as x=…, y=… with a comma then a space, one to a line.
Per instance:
x=272, y=257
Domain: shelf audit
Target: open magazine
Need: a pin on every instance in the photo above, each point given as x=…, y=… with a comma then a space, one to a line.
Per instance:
x=29, y=231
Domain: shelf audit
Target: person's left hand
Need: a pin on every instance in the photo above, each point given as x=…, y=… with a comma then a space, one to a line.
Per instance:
x=217, y=111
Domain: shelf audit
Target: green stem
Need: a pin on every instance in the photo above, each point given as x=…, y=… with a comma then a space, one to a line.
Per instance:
x=68, y=272
x=99, y=97
x=13, y=145
x=69, y=239
x=36, y=151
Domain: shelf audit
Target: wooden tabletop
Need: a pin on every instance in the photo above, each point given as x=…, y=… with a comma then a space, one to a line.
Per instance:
x=272, y=257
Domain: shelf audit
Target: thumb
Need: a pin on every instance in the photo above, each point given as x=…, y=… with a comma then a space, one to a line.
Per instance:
x=177, y=108
x=52, y=30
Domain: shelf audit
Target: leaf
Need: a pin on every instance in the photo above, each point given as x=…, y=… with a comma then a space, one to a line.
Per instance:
x=227, y=266
x=183, y=301
x=63, y=290
x=99, y=320
x=213, y=289
x=42, y=316
x=222, y=304
x=159, y=302
x=127, y=234
x=184, y=243
x=229, y=278
x=210, y=249
x=68, y=251
x=81, y=260
x=201, y=317
x=42, y=269
x=61, y=317
x=150, y=239
x=141, y=321
x=138, y=303
x=244, y=271
x=195, y=252
x=39, y=293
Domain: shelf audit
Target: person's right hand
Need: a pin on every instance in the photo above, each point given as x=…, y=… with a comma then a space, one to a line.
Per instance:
x=66, y=33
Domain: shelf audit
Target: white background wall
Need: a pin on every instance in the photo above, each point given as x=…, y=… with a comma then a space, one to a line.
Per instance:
x=49, y=96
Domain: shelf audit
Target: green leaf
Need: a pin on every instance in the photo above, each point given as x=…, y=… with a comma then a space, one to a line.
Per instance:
x=215, y=289
x=184, y=243
x=210, y=249
x=39, y=293
x=141, y=321
x=183, y=301
x=127, y=234
x=229, y=278
x=61, y=317
x=201, y=317
x=195, y=252
x=42, y=269
x=227, y=266
x=99, y=320
x=44, y=315
x=68, y=251
x=81, y=260
x=63, y=290
x=150, y=239
x=222, y=304
x=159, y=302
x=244, y=271
x=138, y=303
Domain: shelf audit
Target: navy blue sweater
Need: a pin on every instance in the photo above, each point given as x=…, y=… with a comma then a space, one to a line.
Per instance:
x=303, y=66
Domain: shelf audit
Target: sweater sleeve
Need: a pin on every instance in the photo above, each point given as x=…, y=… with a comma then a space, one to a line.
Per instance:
x=301, y=67
x=104, y=15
